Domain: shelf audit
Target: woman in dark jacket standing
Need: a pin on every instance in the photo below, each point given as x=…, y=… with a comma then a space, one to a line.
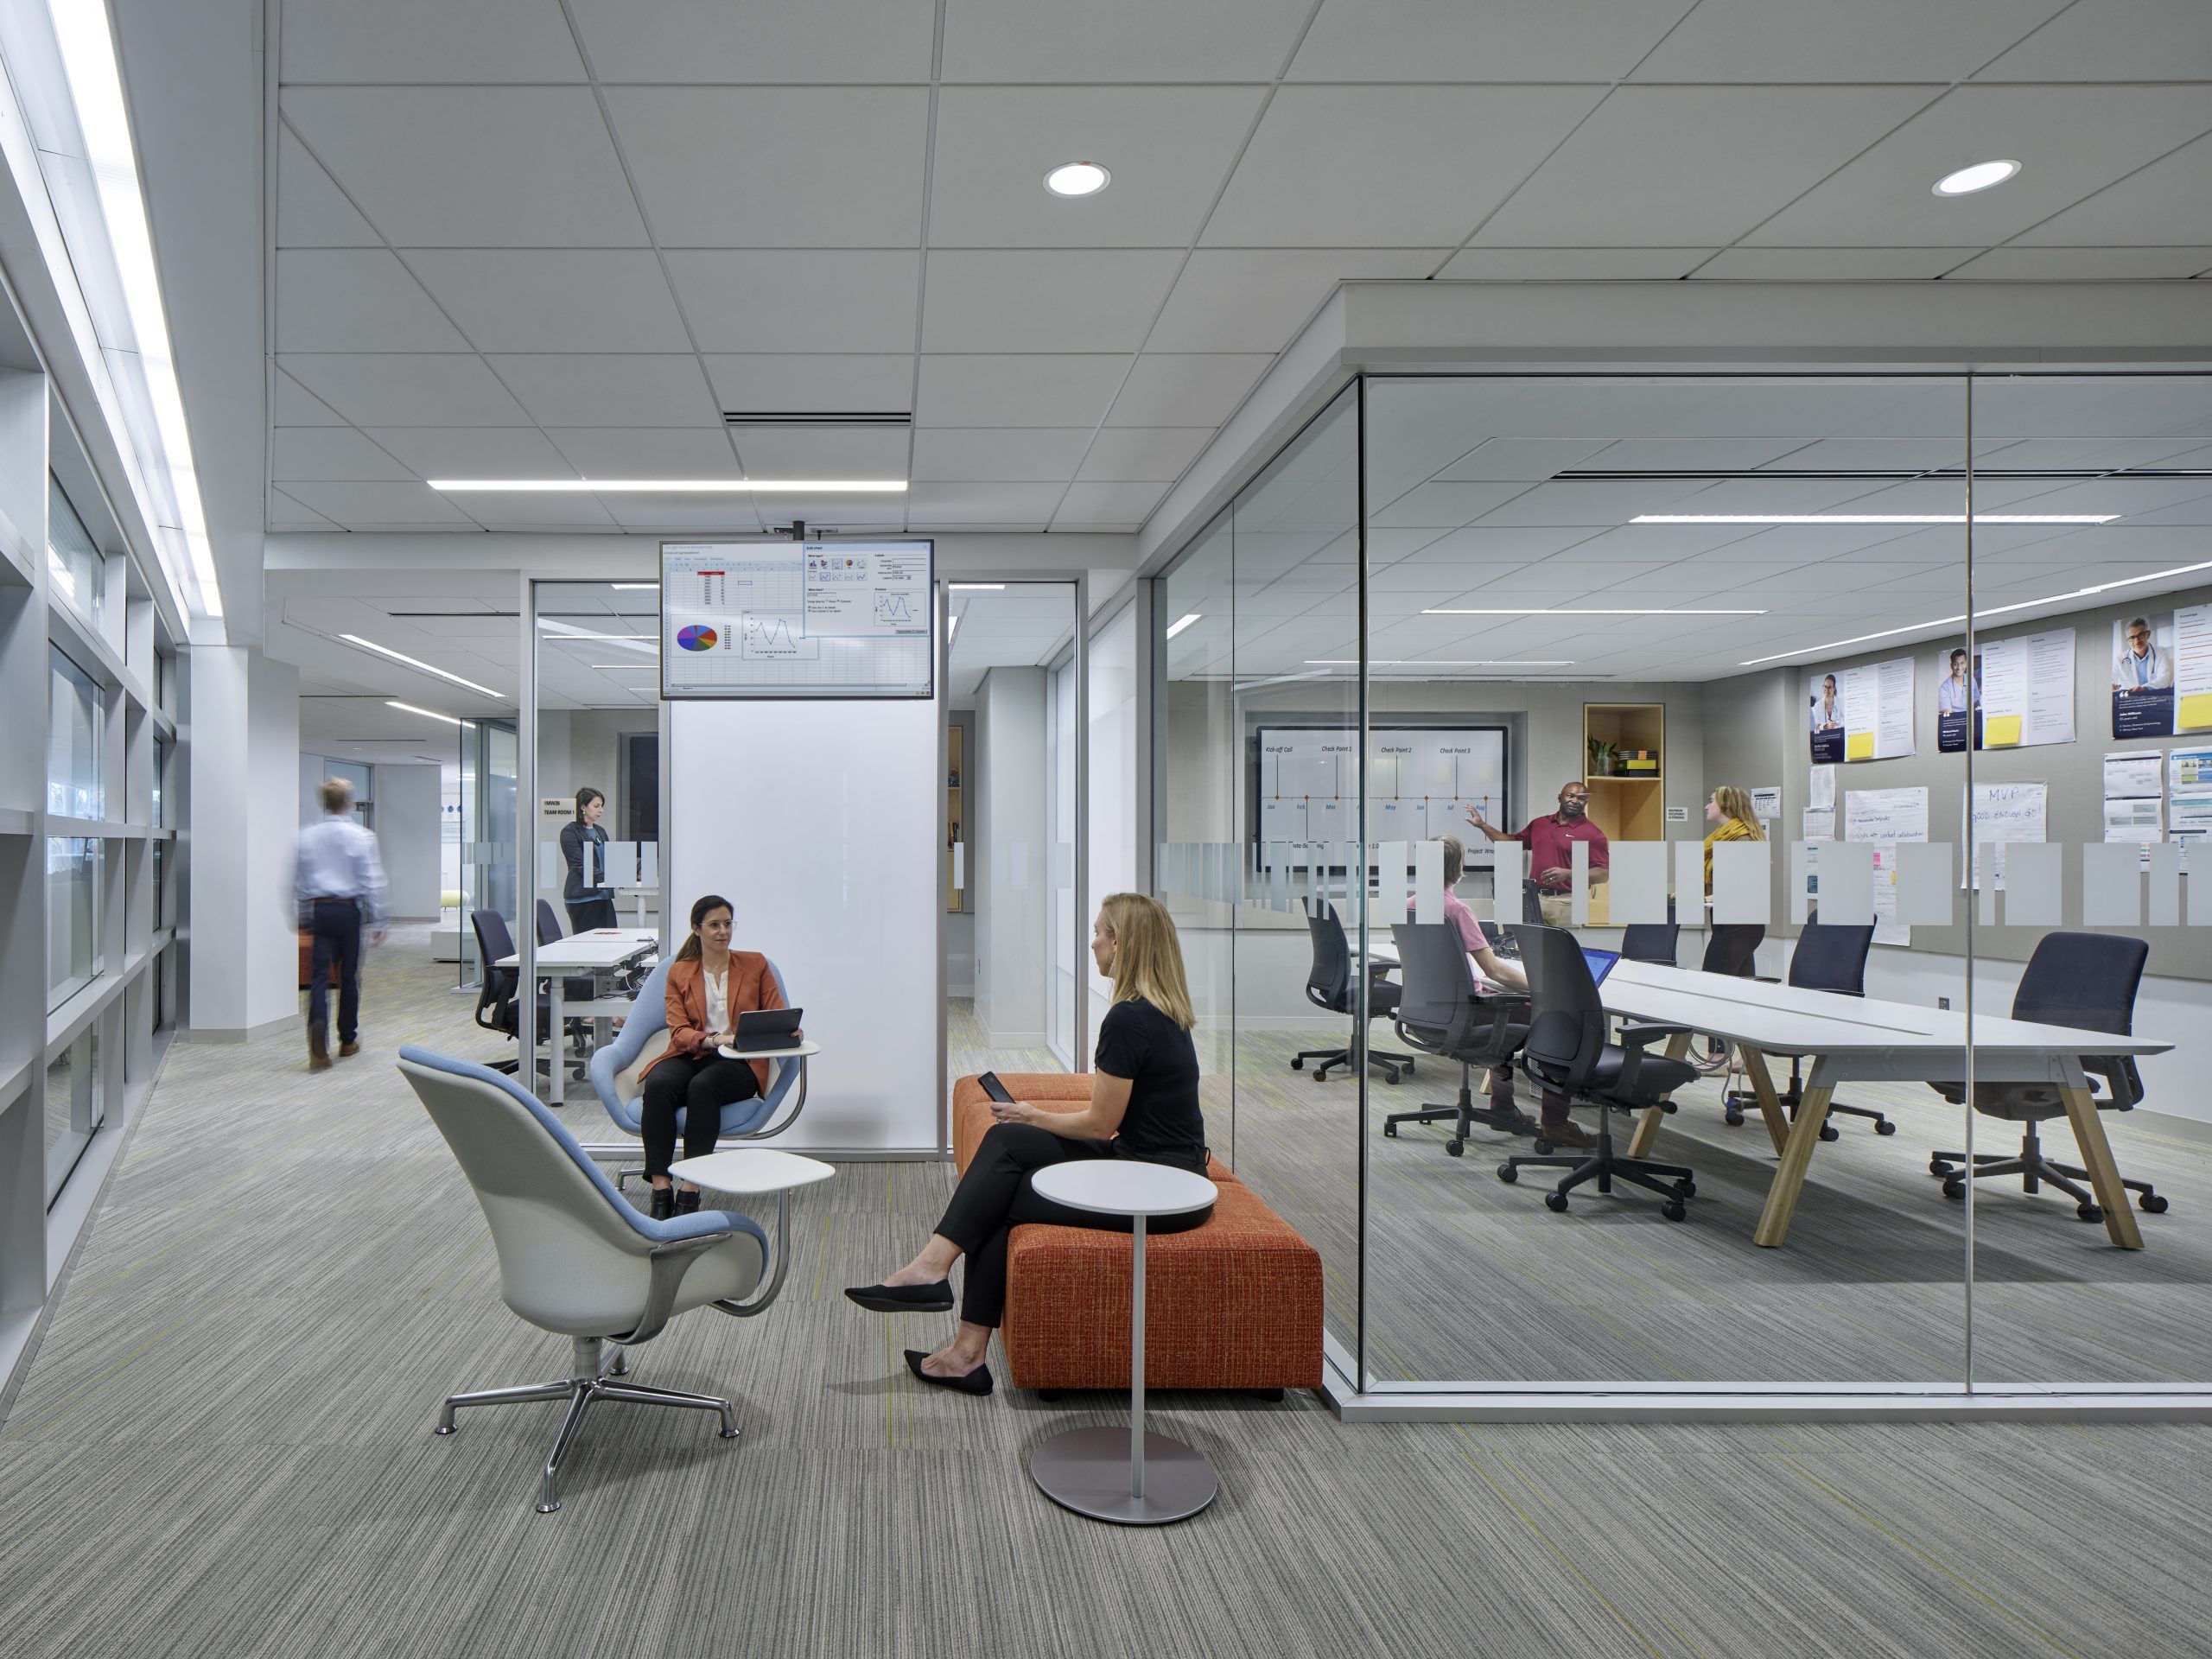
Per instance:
x=588, y=907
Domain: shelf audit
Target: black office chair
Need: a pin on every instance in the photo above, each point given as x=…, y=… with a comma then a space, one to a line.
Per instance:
x=1328, y=985
x=2084, y=980
x=1441, y=1012
x=1568, y=1055
x=1532, y=903
x=495, y=997
x=1731, y=953
x=575, y=988
x=1829, y=957
x=1651, y=942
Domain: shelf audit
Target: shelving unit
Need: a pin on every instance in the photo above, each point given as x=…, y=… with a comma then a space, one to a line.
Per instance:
x=1630, y=802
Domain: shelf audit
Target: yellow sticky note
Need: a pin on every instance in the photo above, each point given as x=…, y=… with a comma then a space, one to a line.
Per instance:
x=1859, y=746
x=2000, y=731
x=2195, y=713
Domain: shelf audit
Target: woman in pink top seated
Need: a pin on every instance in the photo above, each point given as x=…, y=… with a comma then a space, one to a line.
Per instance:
x=1507, y=975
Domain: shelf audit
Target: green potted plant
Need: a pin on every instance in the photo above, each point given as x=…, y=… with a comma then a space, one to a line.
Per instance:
x=1601, y=758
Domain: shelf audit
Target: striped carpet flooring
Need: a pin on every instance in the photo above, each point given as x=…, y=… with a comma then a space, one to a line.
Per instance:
x=222, y=1446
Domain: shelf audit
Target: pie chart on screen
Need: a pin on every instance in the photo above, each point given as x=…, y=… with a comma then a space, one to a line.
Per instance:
x=696, y=638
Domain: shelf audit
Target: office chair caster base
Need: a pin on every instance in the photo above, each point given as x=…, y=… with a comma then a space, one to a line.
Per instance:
x=1543, y=1148
x=1674, y=1209
x=1555, y=1202
x=1954, y=1188
x=1883, y=1126
x=1940, y=1166
x=2088, y=1212
x=2152, y=1202
x=1507, y=1174
x=1458, y=1149
x=1829, y=1132
x=1298, y=1063
x=1732, y=1114
x=1389, y=1131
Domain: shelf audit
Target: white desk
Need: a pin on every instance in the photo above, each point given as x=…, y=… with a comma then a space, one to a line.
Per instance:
x=1853, y=1038
x=595, y=950
x=750, y=1172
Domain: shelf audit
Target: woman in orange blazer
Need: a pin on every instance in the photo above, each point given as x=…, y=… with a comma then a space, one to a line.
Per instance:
x=709, y=986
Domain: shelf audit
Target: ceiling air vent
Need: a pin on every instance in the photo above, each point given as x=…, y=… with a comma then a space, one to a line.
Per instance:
x=899, y=418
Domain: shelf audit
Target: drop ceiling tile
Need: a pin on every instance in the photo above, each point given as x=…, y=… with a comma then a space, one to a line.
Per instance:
x=1255, y=299
x=1014, y=453
x=678, y=41
x=841, y=510
x=1526, y=459
x=1390, y=165
x=399, y=41
x=1831, y=264
x=686, y=514
x=646, y=451
x=355, y=300
x=2085, y=265
x=539, y=168
x=796, y=167
x=780, y=301
x=1138, y=40
x=405, y=389
x=474, y=451
x=1124, y=454
x=609, y=389
x=1110, y=506
x=285, y=514
x=311, y=211
x=821, y=383
x=514, y=512
x=1572, y=264
x=1478, y=548
x=2114, y=40
x=1019, y=389
x=1785, y=41
x=935, y=506
x=356, y=506
x=1186, y=388
x=1689, y=166
x=2153, y=202
x=799, y=452
x=1481, y=40
x=553, y=299
x=1449, y=505
x=2070, y=140
x=1043, y=300
x=1168, y=148
x=296, y=406
x=331, y=453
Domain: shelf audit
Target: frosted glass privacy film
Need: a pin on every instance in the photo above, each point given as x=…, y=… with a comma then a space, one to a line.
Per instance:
x=1391, y=890
x=1429, y=881
x=2112, y=884
x=1637, y=891
x=1742, y=882
x=824, y=883
x=1690, y=883
x=2165, y=884
x=2035, y=883
x=1510, y=872
x=1579, y=907
x=1846, y=883
x=1802, y=856
x=1928, y=878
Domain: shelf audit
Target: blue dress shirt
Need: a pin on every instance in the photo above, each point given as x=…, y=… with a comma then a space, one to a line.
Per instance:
x=337, y=859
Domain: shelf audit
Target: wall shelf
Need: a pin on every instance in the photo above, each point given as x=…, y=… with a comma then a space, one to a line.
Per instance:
x=1628, y=801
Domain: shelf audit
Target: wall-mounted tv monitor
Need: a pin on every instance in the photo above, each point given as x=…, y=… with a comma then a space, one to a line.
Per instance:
x=834, y=619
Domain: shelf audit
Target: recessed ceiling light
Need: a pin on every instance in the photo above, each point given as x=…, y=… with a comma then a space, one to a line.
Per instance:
x=1076, y=179
x=1980, y=176
x=1182, y=623
x=672, y=485
x=1562, y=610
x=430, y=714
x=1871, y=518
x=414, y=662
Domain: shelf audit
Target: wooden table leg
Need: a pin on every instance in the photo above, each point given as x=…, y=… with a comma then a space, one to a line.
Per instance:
x=1789, y=1178
x=1777, y=1124
x=1647, y=1124
x=2104, y=1174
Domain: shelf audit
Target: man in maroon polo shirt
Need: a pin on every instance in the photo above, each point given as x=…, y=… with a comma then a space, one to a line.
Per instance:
x=1550, y=841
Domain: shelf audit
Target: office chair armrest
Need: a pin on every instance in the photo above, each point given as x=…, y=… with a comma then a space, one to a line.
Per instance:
x=774, y=1129
x=759, y=1303
x=1636, y=1037
x=1503, y=1007
x=669, y=1262
x=1766, y=979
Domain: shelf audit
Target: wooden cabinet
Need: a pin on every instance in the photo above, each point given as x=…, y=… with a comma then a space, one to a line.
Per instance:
x=1627, y=775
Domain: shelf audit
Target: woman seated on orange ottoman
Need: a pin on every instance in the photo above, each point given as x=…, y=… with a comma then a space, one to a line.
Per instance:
x=1144, y=1104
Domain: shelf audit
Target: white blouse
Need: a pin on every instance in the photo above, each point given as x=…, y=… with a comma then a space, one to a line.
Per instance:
x=717, y=998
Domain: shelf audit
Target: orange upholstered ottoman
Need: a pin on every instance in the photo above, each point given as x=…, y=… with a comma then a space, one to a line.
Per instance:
x=1235, y=1303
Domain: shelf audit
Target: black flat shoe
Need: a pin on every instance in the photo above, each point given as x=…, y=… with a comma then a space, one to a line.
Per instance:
x=903, y=1298
x=663, y=1205
x=687, y=1203
x=976, y=1382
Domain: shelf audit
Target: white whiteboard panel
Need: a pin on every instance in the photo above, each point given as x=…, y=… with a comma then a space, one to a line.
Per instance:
x=1420, y=783
x=787, y=808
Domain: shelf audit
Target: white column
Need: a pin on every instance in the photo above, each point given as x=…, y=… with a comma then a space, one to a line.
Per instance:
x=244, y=750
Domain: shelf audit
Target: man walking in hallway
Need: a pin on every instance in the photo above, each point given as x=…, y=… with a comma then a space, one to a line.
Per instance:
x=339, y=882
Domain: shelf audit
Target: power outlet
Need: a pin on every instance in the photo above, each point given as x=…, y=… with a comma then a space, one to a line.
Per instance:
x=1942, y=1001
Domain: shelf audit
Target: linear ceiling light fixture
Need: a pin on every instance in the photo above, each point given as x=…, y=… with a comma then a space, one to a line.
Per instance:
x=1439, y=662
x=1078, y=179
x=636, y=587
x=414, y=662
x=1982, y=176
x=671, y=486
x=1871, y=518
x=976, y=587
x=1993, y=610
x=430, y=714
x=1182, y=623
x=951, y=623
x=1559, y=610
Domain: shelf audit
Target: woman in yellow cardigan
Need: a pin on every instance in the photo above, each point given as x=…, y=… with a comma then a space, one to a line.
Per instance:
x=1731, y=945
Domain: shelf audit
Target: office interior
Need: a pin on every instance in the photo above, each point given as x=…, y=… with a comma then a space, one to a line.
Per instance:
x=1306, y=493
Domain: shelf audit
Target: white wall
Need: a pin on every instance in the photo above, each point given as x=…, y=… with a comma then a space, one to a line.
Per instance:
x=1011, y=872
x=407, y=838
x=244, y=794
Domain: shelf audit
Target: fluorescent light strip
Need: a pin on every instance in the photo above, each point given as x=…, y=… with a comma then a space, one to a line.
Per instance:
x=672, y=485
x=644, y=644
x=976, y=587
x=951, y=624
x=1994, y=610
x=1182, y=623
x=636, y=587
x=1871, y=518
x=430, y=713
x=414, y=662
x=634, y=668
x=1438, y=662
x=1546, y=610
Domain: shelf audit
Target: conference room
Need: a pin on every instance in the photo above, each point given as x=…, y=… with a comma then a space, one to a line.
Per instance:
x=1642, y=592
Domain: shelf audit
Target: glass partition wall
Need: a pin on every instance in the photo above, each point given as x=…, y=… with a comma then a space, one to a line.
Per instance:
x=1720, y=679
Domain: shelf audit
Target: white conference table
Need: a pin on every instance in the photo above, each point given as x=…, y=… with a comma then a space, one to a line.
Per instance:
x=595, y=950
x=1857, y=1038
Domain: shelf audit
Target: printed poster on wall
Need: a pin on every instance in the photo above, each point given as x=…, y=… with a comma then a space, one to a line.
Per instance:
x=2162, y=672
x=1885, y=817
x=1860, y=713
x=2014, y=694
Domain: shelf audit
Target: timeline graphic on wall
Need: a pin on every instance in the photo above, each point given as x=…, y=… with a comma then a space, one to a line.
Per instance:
x=1420, y=782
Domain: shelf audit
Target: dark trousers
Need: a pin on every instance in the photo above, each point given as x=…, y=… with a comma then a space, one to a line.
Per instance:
x=1730, y=948
x=585, y=913
x=994, y=1197
x=337, y=926
x=699, y=1087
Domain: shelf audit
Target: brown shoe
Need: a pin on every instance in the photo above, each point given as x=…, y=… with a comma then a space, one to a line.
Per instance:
x=347, y=1051
x=1566, y=1133
x=318, y=1049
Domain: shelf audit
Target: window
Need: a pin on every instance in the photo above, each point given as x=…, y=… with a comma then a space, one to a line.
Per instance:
x=73, y=1106
x=75, y=866
x=72, y=562
x=160, y=774
x=75, y=785
x=160, y=914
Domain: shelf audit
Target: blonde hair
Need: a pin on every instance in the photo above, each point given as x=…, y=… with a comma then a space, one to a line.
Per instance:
x=1736, y=803
x=1147, y=957
x=1455, y=861
x=337, y=795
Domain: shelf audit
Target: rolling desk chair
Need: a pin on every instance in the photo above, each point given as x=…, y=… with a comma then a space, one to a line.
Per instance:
x=1651, y=942
x=1532, y=904
x=1568, y=1055
x=498, y=999
x=1830, y=956
x=576, y=989
x=1328, y=985
x=1441, y=1012
x=2084, y=980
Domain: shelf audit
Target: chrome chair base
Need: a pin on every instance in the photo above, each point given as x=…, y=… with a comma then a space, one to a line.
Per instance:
x=591, y=1381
